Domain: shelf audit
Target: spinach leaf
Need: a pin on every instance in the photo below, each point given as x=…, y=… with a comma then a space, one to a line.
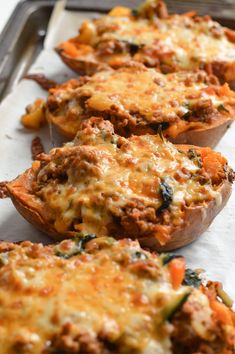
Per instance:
x=133, y=46
x=191, y=278
x=82, y=241
x=139, y=256
x=159, y=127
x=135, y=12
x=166, y=193
x=186, y=115
x=194, y=156
x=222, y=109
x=78, y=247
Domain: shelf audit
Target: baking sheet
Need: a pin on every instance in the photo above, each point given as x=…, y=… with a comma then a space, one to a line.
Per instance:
x=214, y=251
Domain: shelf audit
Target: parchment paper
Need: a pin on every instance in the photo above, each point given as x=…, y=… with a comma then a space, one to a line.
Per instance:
x=214, y=251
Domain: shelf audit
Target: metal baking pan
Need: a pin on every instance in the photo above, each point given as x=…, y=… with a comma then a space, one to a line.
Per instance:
x=22, y=38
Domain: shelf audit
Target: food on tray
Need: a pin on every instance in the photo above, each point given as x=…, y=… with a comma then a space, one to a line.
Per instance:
x=42, y=80
x=36, y=147
x=3, y=190
x=34, y=117
x=154, y=38
x=190, y=107
x=101, y=296
x=105, y=184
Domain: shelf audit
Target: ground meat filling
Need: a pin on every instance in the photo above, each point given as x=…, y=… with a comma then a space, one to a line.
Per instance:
x=109, y=297
x=104, y=183
x=3, y=190
x=73, y=340
x=202, y=111
x=36, y=147
x=187, y=340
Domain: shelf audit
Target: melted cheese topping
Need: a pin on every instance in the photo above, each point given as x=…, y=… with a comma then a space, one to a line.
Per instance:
x=54, y=298
x=141, y=97
x=178, y=40
x=146, y=92
x=106, y=178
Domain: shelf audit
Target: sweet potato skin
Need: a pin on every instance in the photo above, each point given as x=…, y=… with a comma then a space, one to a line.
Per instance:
x=203, y=137
x=197, y=218
x=80, y=66
x=27, y=205
x=198, y=137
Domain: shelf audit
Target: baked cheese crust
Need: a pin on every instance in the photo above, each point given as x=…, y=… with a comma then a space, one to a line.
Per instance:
x=138, y=100
x=151, y=36
x=100, y=296
x=109, y=185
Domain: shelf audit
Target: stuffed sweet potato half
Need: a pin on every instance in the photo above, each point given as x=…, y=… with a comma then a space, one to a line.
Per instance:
x=101, y=296
x=109, y=185
x=191, y=108
x=154, y=38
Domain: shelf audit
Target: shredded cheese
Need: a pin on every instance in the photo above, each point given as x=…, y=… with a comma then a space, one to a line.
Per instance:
x=137, y=98
x=105, y=177
x=111, y=293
